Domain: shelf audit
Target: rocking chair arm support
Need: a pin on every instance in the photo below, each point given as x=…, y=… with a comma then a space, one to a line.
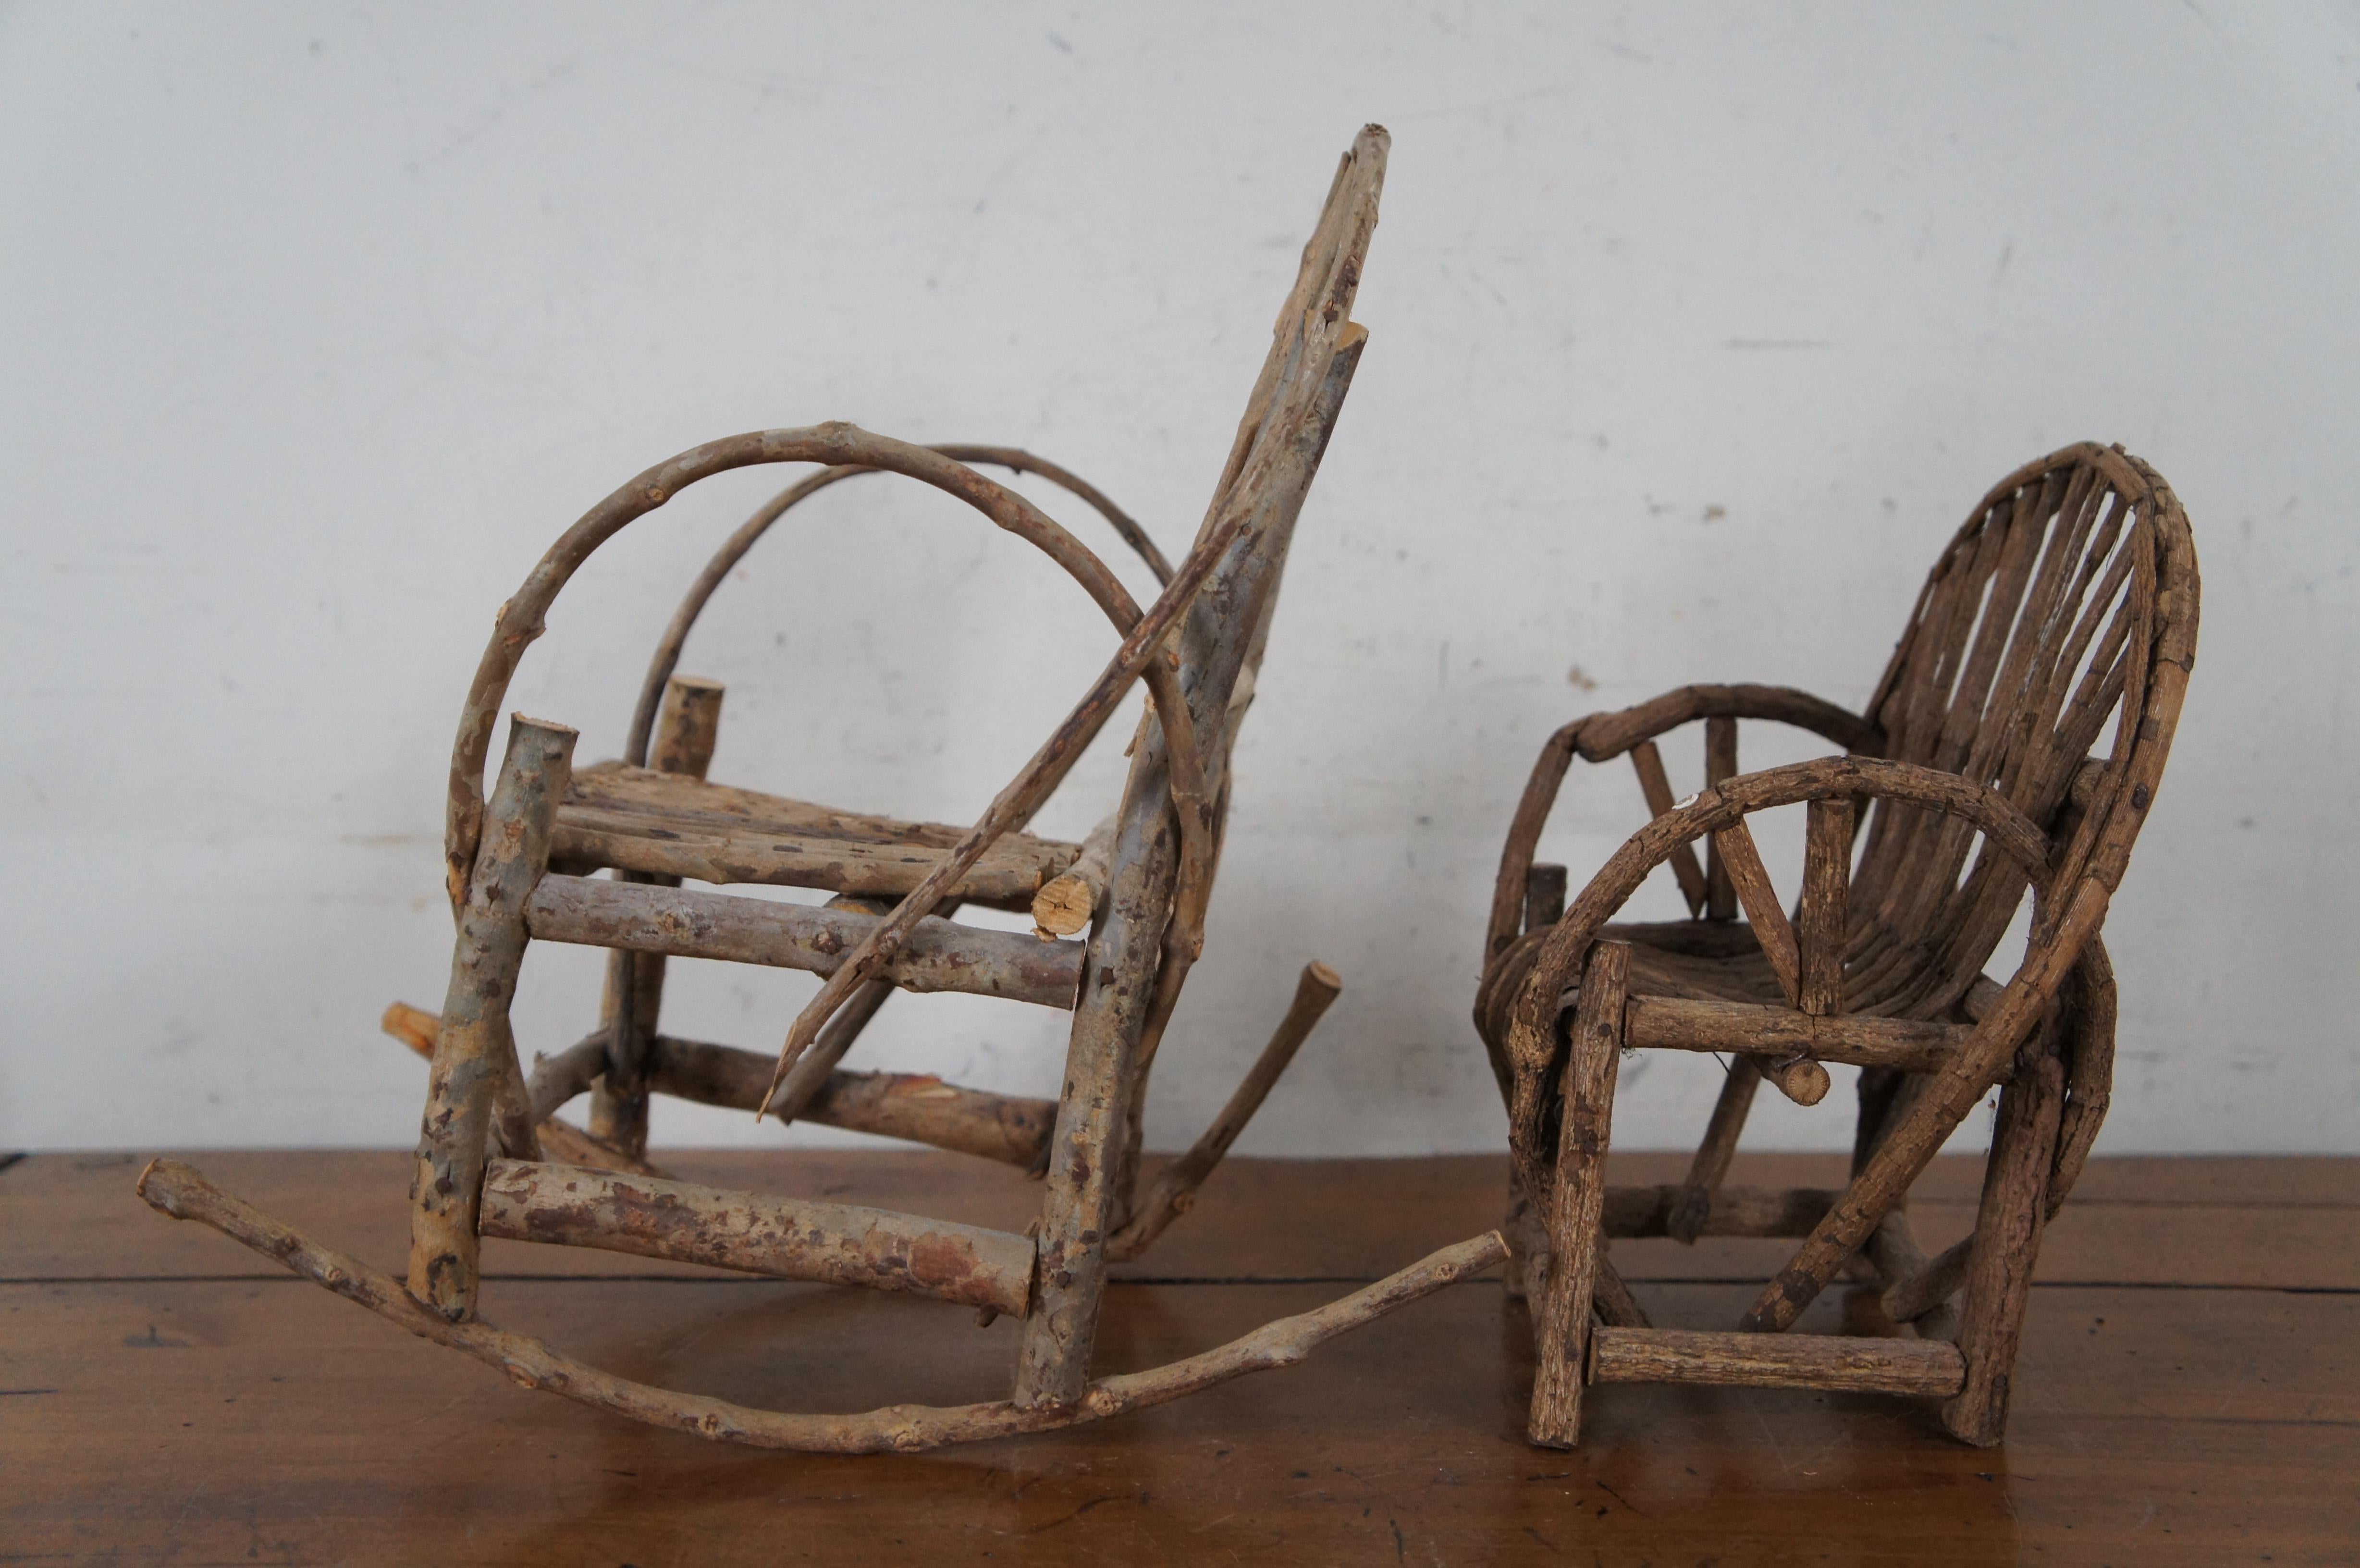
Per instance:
x=836, y=444
x=1524, y=836
x=1017, y=460
x=1524, y=1021
x=734, y=549
x=1605, y=736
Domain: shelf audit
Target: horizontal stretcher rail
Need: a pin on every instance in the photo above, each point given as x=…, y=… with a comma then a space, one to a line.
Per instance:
x=1632, y=1212
x=1775, y=1361
x=939, y=955
x=1664, y=1023
x=917, y=1107
x=913, y=1107
x=837, y=1243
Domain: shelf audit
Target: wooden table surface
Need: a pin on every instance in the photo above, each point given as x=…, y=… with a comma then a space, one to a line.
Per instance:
x=2188, y=1390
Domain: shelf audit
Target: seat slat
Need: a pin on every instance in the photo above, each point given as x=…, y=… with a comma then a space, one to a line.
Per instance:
x=940, y=954
x=640, y=820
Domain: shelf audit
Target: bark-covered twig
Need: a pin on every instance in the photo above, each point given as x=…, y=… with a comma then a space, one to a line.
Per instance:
x=1755, y=1361
x=688, y=923
x=836, y=444
x=1151, y=931
x=686, y=734
x=792, y=1238
x=555, y=1080
x=916, y=1107
x=1174, y=1189
x=474, y=1054
x=1063, y=905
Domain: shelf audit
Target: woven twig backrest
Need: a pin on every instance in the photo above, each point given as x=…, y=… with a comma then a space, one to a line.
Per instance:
x=2055, y=607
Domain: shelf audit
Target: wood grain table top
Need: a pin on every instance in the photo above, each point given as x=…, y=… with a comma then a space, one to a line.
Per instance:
x=2188, y=1390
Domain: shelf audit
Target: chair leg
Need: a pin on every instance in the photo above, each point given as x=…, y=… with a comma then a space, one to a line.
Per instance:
x=1528, y=1241
x=2008, y=1244
x=474, y=1054
x=1714, y=1155
x=1578, y=1202
x=687, y=728
x=618, y=1101
x=1078, y=1210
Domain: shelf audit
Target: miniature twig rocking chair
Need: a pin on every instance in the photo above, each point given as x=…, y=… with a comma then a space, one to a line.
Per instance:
x=2070, y=595
x=518, y=868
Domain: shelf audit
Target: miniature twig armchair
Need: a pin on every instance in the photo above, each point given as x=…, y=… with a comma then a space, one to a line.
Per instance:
x=2070, y=596
x=493, y=1160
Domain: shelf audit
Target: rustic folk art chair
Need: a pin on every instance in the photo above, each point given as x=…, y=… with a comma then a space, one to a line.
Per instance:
x=2070, y=596
x=516, y=865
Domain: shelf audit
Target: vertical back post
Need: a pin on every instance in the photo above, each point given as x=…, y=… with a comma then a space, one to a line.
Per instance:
x=1719, y=764
x=1131, y=975
x=1076, y=1214
x=687, y=728
x=1821, y=915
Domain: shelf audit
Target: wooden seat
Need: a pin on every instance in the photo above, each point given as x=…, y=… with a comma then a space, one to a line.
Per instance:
x=2068, y=601
x=1674, y=970
x=636, y=819
x=493, y=1158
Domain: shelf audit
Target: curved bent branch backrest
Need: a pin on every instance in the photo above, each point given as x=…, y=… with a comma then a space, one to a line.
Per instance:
x=2070, y=596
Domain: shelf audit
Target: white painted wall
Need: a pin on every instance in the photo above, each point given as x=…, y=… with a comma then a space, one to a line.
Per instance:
x=1696, y=331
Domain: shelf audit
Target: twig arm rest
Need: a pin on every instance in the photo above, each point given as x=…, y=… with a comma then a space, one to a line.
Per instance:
x=1526, y=1020
x=1605, y=736
x=1601, y=737
x=724, y=561
x=835, y=444
x=1523, y=838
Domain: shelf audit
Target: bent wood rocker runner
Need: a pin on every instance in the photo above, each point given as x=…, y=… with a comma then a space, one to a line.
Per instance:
x=2071, y=594
x=492, y=1160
